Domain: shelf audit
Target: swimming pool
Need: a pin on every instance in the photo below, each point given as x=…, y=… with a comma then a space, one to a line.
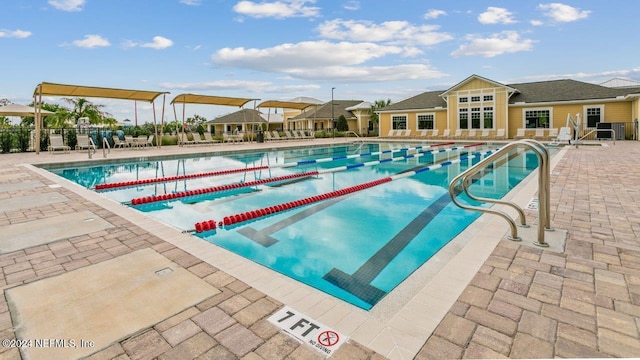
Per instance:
x=356, y=246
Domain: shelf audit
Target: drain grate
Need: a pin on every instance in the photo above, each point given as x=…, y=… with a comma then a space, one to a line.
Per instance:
x=163, y=272
x=533, y=204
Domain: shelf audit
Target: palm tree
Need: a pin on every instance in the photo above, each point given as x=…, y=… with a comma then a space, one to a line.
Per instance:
x=83, y=108
x=377, y=105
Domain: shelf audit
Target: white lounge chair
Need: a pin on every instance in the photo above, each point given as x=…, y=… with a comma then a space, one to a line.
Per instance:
x=276, y=135
x=117, y=142
x=521, y=134
x=128, y=140
x=458, y=134
x=183, y=139
x=434, y=134
x=500, y=134
x=208, y=138
x=57, y=143
x=83, y=142
x=539, y=134
x=484, y=135
x=471, y=134
x=445, y=134
x=553, y=133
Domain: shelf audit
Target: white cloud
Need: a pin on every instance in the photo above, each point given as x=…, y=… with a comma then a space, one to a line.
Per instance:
x=563, y=13
x=352, y=5
x=277, y=9
x=395, y=32
x=634, y=72
x=434, y=14
x=67, y=5
x=309, y=61
x=14, y=34
x=496, y=15
x=91, y=41
x=191, y=2
x=497, y=44
x=216, y=85
x=536, y=22
x=158, y=43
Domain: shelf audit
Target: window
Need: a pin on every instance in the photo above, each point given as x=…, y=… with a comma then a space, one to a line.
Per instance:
x=463, y=118
x=464, y=99
x=475, y=99
x=488, y=117
x=594, y=116
x=475, y=118
x=399, y=122
x=426, y=121
x=487, y=98
x=537, y=118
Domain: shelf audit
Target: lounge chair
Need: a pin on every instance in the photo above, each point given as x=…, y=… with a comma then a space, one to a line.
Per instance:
x=434, y=134
x=406, y=133
x=289, y=136
x=117, y=142
x=57, y=143
x=83, y=142
x=276, y=136
x=500, y=134
x=484, y=135
x=267, y=136
x=392, y=133
x=140, y=141
x=472, y=134
x=422, y=133
x=208, y=138
x=539, y=134
x=458, y=134
x=197, y=139
x=445, y=134
x=303, y=135
x=553, y=133
x=128, y=141
x=521, y=134
x=184, y=140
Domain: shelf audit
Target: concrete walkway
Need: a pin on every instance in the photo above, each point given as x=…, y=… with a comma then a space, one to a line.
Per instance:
x=524, y=301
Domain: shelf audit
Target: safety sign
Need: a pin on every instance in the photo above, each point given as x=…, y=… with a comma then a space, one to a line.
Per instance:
x=307, y=330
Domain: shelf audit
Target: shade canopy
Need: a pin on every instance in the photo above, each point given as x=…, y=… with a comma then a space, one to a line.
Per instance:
x=20, y=110
x=209, y=100
x=98, y=92
x=286, y=104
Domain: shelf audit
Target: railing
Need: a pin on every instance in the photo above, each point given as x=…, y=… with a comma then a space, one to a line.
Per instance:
x=544, y=219
x=613, y=135
x=354, y=133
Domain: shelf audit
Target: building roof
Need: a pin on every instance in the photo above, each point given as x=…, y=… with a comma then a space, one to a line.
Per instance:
x=365, y=105
x=534, y=92
x=620, y=83
x=325, y=110
x=240, y=116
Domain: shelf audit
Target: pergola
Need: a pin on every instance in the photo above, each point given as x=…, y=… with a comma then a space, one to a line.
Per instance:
x=285, y=105
x=51, y=89
x=205, y=100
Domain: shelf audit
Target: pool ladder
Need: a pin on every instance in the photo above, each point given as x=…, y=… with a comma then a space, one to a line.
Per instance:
x=544, y=222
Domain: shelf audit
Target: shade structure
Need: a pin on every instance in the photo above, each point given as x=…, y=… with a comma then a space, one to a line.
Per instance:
x=94, y=91
x=21, y=110
x=52, y=89
x=210, y=100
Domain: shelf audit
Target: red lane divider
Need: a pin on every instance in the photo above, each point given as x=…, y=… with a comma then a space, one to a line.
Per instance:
x=177, y=177
x=254, y=214
x=181, y=194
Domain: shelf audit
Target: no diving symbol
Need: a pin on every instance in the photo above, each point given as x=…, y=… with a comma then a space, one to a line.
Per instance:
x=328, y=338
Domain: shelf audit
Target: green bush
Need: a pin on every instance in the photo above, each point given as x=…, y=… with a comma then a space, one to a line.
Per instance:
x=23, y=138
x=5, y=141
x=72, y=138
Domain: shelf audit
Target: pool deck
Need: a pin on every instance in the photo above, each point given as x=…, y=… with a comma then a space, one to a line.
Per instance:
x=480, y=297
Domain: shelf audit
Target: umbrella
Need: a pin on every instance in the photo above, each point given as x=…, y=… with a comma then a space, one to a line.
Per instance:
x=20, y=110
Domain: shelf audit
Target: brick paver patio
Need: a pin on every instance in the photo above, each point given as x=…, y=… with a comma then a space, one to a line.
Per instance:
x=525, y=302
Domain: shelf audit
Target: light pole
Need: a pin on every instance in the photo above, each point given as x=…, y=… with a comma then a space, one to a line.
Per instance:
x=332, y=121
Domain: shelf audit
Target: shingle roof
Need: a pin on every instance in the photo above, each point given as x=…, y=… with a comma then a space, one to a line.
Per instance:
x=324, y=111
x=534, y=92
x=240, y=116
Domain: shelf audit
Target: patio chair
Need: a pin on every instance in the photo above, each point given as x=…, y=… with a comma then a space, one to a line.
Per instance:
x=57, y=143
x=422, y=133
x=140, y=141
x=458, y=134
x=197, y=139
x=553, y=133
x=149, y=142
x=83, y=142
x=184, y=140
x=472, y=134
x=289, y=136
x=484, y=135
x=208, y=138
x=276, y=135
x=445, y=134
x=434, y=134
x=117, y=142
x=539, y=134
x=500, y=134
x=520, y=134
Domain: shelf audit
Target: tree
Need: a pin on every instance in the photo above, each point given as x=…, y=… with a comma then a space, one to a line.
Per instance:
x=342, y=124
x=377, y=105
x=57, y=120
x=83, y=108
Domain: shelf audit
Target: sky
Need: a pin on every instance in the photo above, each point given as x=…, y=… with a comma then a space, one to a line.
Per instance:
x=278, y=50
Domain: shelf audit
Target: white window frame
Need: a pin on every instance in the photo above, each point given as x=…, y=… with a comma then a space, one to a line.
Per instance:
x=585, y=115
x=524, y=116
x=432, y=114
x=406, y=122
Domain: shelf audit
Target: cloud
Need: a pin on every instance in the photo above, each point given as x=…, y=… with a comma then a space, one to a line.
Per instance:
x=352, y=5
x=14, y=34
x=191, y=2
x=158, y=43
x=497, y=44
x=277, y=9
x=216, y=85
x=309, y=61
x=434, y=14
x=67, y=5
x=394, y=32
x=536, y=22
x=634, y=72
x=91, y=41
x=563, y=13
x=496, y=15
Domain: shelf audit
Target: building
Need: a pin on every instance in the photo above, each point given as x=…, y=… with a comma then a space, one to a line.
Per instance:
x=325, y=116
x=245, y=120
x=479, y=103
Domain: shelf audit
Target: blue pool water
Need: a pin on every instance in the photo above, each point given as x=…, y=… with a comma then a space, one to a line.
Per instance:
x=357, y=247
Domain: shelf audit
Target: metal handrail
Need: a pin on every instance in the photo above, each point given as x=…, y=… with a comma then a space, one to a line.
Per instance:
x=354, y=133
x=105, y=145
x=543, y=190
x=613, y=135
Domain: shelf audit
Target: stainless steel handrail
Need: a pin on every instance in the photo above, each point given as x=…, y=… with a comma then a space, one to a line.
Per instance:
x=613, y=135
x=543, y=190
x=354, y=133
x=105, y=145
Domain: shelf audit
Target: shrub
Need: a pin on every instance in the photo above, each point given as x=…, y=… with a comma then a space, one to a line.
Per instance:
x=5, y=141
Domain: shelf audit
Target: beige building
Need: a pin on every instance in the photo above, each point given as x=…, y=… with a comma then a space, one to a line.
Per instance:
x=477, y=103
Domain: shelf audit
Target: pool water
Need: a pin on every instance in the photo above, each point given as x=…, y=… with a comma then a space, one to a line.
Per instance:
x=357, y=247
